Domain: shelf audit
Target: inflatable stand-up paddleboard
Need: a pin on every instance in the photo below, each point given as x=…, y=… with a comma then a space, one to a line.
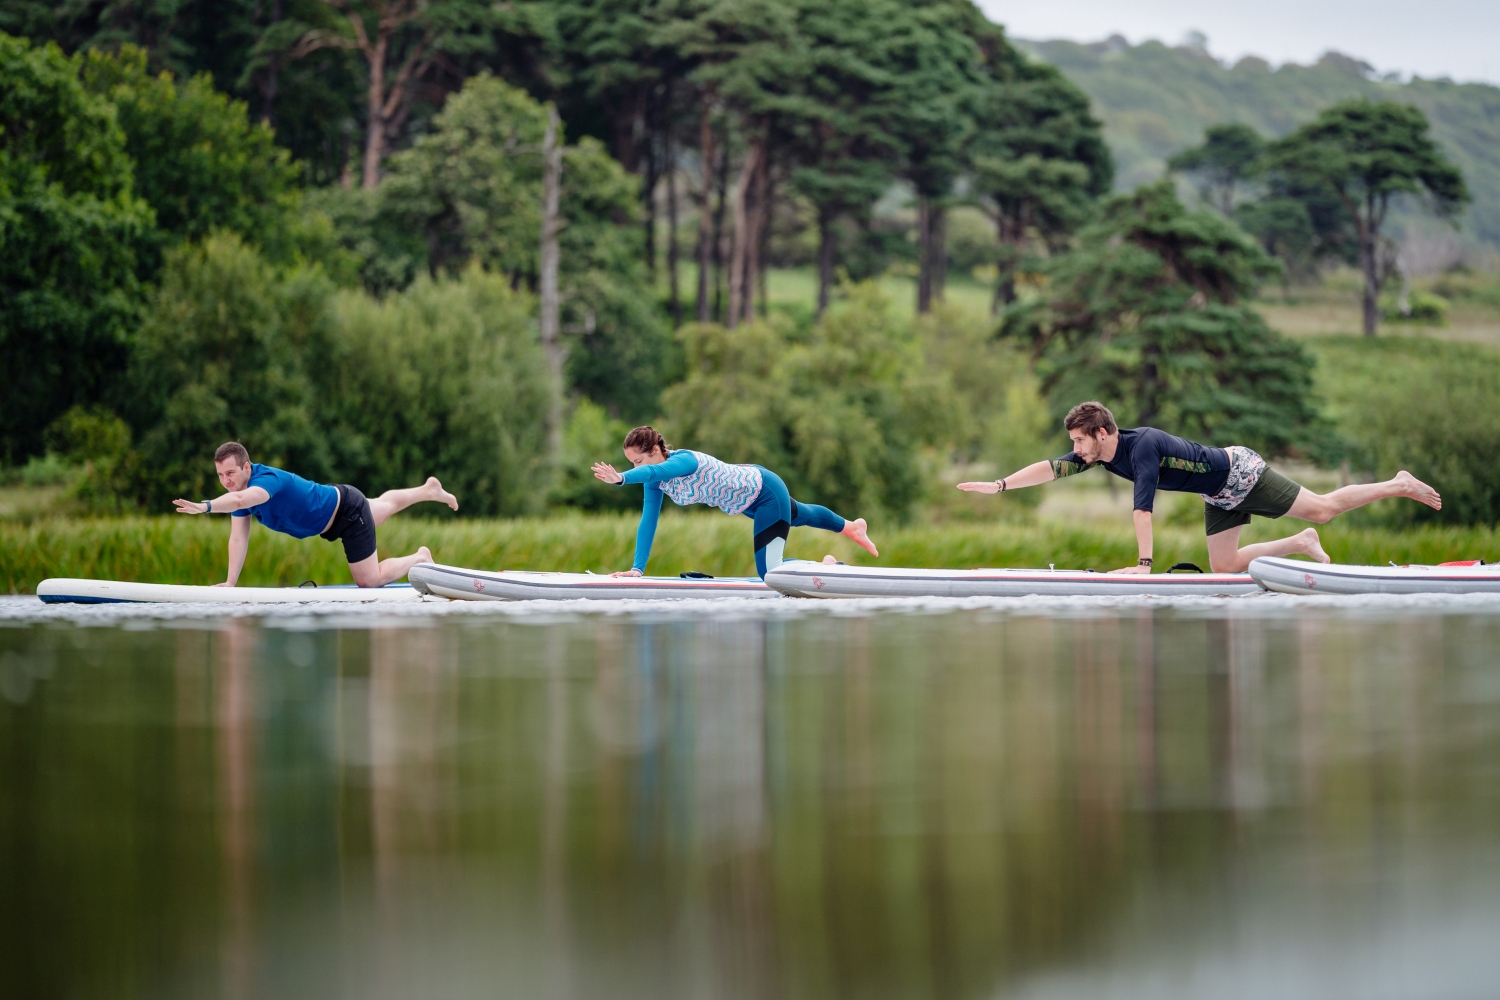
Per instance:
x=809, y=579
x=64, y=591
x=1297, y=576
x=520, y=585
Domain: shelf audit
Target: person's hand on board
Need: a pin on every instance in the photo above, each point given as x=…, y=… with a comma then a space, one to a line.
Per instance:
x=628, y=572
x=226, y=583
x=606, y=472
x=1132, y=569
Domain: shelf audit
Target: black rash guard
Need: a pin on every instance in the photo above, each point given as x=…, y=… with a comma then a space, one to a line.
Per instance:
x=1155, y=460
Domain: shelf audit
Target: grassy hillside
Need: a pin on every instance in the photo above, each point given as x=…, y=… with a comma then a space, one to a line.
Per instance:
x=1155, y=99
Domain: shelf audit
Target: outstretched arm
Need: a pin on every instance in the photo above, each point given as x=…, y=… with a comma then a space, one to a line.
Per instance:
x=1033, y=475
x=645, y=534
x=239, y=545
x=228, y=503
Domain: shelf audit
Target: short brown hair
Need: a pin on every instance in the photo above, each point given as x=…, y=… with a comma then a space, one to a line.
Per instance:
x=646, y=440
x=234, y=450
x=1091, y=418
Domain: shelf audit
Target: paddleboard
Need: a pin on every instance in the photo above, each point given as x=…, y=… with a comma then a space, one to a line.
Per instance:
x=809, y=579
x=521, y=585
x=65, y=591
x=1298, y=576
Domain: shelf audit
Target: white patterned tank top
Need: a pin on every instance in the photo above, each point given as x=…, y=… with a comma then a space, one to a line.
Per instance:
x=731, y=488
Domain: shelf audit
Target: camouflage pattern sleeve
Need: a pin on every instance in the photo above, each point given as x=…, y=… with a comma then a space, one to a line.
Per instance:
x=1069, y=465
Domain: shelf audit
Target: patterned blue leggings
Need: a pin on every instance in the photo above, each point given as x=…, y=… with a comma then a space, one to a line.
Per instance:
x=775, y=514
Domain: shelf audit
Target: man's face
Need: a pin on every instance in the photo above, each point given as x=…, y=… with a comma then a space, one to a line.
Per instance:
x=232, y=476
x=1085, y=445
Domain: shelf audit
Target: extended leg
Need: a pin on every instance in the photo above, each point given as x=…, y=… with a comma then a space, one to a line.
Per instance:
x=393, y=501
x=1226, y=556
x=1310, y=506
x=813, y=516
x=376, y=572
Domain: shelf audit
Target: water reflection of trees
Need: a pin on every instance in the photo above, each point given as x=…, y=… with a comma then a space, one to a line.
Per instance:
x=924, y=806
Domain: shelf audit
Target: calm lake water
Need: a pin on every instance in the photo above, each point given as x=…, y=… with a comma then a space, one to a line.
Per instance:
x=1261, y=798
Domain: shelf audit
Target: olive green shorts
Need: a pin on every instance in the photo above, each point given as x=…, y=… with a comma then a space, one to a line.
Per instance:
x=1272, y=496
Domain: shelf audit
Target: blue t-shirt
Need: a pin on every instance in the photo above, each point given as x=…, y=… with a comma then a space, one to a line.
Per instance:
x=297, y=507
x=1155, y=460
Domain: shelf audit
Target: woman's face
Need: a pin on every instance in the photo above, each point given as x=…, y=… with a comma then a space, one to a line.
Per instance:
x=639, y=458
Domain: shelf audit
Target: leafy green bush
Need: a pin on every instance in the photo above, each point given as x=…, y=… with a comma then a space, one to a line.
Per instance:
x=1427, y=406
x=592, y=435
x=445, y=379
x=1421, y=307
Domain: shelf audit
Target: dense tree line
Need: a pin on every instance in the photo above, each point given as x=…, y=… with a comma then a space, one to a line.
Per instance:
x=425, y=232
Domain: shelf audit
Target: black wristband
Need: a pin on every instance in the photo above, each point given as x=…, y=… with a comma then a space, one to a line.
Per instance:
x=208, y=506
x=1143, y=561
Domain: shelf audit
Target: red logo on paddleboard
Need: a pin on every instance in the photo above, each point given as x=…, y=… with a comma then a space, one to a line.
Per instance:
x=478, y=585
x=817, y=582
x=1307, y=578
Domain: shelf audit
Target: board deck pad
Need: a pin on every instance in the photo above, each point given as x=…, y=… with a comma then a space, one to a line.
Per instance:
x=809, y=579
x=1298, y=576
x=62, y=590
x=462, y=584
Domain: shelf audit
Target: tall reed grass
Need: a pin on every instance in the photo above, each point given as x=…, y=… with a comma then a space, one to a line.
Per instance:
x=192, y=550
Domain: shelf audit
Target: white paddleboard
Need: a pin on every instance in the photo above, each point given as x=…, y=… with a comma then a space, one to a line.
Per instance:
x=521, y=585
x=1298, y=576
x=66, y=591
x=809, y=579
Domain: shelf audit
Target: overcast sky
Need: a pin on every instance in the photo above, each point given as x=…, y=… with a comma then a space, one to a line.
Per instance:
x=1430, y=38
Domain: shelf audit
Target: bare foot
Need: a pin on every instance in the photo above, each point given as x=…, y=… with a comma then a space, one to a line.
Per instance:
x=424, y=555
x=828, y=560
x=438, y=493
x=1312, y=545
x=856, y=531
x=1413, y=487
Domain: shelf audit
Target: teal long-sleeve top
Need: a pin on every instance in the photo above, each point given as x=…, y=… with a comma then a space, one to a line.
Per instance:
x=679, y=463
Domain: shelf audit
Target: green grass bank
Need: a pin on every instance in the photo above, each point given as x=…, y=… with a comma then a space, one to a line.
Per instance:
x=192, y=550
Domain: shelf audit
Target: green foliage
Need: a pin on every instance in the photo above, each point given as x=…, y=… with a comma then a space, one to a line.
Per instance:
x=1428, y=406
x=445, y=379
x=841, y=415
x=96, y=443
x=1229, y=157
x=219, y=357
x=470, y=191
x=198, y=160
x=1147, y=316
x=590, y=436
x=71, y=236
x=1420, y=307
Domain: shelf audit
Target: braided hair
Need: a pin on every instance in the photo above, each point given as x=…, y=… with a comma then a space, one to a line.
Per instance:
x=646, y=440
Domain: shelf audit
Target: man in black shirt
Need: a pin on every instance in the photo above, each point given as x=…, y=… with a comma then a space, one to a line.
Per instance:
x=1234, y=483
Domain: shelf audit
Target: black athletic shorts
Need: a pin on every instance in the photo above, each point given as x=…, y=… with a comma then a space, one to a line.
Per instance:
x=353, y=524
x=1272, y=496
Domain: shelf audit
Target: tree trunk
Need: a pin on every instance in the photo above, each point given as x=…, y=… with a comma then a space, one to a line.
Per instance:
x=1368, y=265
x=762, y=248
x=552, y=167
x=826, y=249
x=743, y=236
x=672, y=275
x=924, y=246
x=705, y=210
x=937, y=246
x=722, y=174
x=272, y=76
x=649, y=178
x=1005, y=265
x=375, y=127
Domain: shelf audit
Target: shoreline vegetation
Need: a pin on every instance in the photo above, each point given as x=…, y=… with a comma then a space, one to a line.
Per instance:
x=169, y=549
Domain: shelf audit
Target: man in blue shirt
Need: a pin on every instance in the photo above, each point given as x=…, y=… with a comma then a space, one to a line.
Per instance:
x=1234, y=483
x=290, y=504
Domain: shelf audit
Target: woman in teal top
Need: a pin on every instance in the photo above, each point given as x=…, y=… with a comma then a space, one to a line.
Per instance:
x=690, y=477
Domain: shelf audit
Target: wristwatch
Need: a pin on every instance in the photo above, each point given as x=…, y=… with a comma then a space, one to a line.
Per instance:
x=208, y=506
x=1144, y=561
